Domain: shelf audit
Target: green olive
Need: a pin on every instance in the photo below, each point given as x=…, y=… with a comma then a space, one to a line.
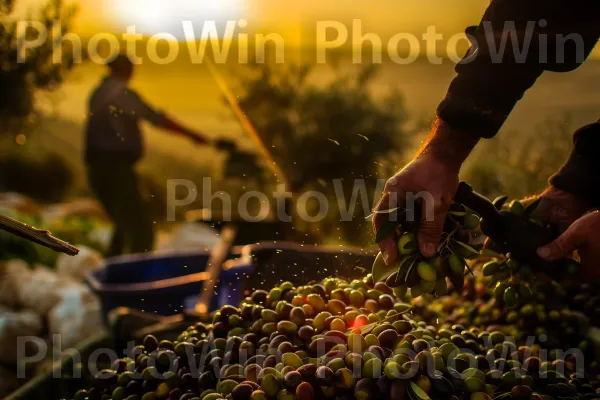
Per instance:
x=407, y=244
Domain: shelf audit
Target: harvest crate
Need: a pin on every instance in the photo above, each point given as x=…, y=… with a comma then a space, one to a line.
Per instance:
x=163, y=284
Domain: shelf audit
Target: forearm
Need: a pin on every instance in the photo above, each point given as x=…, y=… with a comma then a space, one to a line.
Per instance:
x=173, y=126
x=450, y=146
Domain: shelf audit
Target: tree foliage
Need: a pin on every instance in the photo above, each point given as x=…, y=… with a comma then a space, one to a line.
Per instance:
x=6, y=6
x=518, y=164
x=48, y=177
x=319, y=133
x=38, y=70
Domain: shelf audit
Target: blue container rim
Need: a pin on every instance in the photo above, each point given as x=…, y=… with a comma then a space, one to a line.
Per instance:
x=246, y=252
x=97, y=286
x=133, y=258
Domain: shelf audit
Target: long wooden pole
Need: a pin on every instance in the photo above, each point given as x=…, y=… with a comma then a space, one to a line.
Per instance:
x=39, y=236
x=245, y=122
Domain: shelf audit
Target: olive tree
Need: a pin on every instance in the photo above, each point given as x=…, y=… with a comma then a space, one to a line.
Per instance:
x=47, y=176
x=21, y=78
x=338, y=131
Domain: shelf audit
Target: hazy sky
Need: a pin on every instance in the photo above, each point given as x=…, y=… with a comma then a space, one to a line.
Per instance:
x=291, y=19
x=384, y=16
x=295, y=21
x=190, y=94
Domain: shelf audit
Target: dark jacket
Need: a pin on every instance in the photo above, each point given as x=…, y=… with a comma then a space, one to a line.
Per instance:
x=113, y=127
x=558, y=36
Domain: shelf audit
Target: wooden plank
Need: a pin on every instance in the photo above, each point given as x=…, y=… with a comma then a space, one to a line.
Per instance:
x=215, y=262
x=246, y=123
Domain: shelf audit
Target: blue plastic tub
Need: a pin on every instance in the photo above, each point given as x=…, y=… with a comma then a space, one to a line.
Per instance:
x=268, y=264
x=164, y=284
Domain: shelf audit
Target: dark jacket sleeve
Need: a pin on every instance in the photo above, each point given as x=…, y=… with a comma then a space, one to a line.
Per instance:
x=581, y=173
x=516, y=41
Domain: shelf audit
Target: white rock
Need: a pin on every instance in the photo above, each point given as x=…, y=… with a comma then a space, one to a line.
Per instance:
x=76, y=316
x=14, y=325
x=41, y=291
x=12, y=274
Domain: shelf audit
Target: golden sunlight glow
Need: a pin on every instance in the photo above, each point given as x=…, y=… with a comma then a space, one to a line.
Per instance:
x=152, y=17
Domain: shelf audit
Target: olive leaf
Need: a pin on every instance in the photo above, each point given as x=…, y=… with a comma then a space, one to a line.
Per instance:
x=405, y=266
x=381, y=271
x=466, y=246
x=530, y=209
x=503, y=396
x=418, y=392
x=469, y=248
x=458, y=213
x=412, y=264
x=391, y=210
x=466, y=264
x=405, y=308
x=411, y=395
x=365, y=330
x=499, y=202
x=469, y=269
x=387, y=228
x=490, y=253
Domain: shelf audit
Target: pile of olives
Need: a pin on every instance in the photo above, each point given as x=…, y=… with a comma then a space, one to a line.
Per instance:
x=514, y=279
x=584, y=298
x=412, y=271
x=551, y=314
x=340, y=340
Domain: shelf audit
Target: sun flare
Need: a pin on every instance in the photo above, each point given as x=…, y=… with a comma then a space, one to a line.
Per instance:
x=151, y=17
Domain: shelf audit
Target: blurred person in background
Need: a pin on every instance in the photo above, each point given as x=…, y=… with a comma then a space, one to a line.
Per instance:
x=559, y=35
x=113, y=146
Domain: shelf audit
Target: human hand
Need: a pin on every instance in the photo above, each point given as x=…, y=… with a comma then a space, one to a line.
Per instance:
x=431, y=176
x=423, y=176
x=556, y=207
x=584, y=236
x=559, y=207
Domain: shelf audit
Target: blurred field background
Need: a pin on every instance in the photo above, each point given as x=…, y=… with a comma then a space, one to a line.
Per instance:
x=534, y=142
x=537, y=132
